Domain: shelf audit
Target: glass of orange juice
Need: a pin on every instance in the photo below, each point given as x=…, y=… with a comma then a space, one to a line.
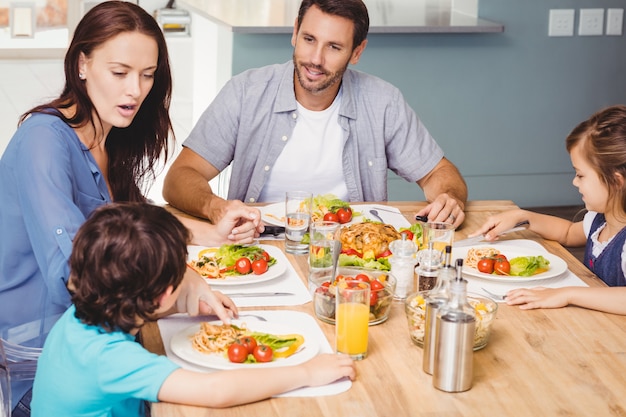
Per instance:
x=352, y=318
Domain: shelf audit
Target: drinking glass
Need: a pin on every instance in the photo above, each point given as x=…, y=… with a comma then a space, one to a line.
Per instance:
x=297, y=219
x=352, y=318
x=439, y=233
x=322, y=256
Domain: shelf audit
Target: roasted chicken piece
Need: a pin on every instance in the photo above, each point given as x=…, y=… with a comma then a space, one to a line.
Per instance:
x=370, y=239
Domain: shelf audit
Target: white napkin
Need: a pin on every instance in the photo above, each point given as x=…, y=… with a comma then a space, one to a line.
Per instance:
x=567, y=279
x=290, y=281
x=171, y=325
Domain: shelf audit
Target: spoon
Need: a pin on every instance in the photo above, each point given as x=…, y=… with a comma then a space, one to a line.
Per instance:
x=374, y=213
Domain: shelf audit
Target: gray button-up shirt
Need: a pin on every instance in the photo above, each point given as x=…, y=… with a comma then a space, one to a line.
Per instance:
x=254, y=115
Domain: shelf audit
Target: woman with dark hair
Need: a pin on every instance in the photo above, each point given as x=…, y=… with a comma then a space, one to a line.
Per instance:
x=99, y=141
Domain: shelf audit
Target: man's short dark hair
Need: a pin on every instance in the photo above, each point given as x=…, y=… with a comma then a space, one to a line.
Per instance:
x=354, y=10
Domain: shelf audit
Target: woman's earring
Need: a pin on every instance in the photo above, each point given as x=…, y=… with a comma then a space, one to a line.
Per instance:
x=81, y=76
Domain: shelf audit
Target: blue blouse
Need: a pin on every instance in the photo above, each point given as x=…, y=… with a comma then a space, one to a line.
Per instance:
x=49, y=183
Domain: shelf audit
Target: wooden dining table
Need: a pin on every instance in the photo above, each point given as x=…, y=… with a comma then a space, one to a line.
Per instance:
x=548, y=362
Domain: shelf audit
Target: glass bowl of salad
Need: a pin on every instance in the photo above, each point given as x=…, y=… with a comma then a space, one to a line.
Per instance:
x=382, y=287
x=485, y=308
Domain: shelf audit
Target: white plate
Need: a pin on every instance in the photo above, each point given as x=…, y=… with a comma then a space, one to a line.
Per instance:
x=274, y=271
x=273, y=214
x=182, y=347
x=557, y=265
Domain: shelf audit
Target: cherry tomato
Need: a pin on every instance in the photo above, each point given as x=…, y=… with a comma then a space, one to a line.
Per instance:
x=502, y=267
x=331, y=217
x=350, y=252
x=243, y=265
x=249, y=343
x=266, y=256
x=485, y=265
x=237, y=353
x=362, y=278
x=373, y=298
x=409, y=234
x=384, y=254
x=259, y=266
x=263, y=353
x=499, y=256
x=344, y=215
x=376, y=285
x=326, y=284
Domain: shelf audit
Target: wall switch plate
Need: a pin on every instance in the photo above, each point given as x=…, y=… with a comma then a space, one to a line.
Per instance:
x=591, y=22
x=561, y=22
x=614, y=22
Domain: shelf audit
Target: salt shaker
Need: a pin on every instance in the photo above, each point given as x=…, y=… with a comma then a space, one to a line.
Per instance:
x=403, y=265
x=454, y=339
x=435, y=299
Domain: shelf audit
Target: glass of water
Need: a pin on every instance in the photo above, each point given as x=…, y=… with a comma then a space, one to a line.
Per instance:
x=297, y=219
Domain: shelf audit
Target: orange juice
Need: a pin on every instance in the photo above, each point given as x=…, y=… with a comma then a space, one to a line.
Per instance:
x=352, y=321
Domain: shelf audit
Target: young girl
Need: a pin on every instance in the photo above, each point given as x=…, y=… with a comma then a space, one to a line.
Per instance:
x=99, y=141
x=597, y=148
x=126, y=266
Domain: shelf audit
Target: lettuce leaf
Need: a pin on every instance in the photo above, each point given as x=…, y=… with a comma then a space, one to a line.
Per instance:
x=526, y=266
x=381, y=264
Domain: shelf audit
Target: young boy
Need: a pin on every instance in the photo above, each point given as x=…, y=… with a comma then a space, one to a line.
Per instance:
x=127, y=262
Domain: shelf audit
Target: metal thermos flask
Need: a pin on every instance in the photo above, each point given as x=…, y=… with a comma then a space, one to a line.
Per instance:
x=454, y=340
x=437, y=297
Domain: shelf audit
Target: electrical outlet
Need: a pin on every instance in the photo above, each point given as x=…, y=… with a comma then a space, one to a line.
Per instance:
x=614, y=21
x=591, y=22
x=561, y=22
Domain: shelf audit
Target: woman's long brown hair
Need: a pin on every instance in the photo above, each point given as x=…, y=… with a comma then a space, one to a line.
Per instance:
x=134, y=151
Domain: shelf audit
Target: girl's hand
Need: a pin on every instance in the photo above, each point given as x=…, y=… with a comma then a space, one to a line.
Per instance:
x=499, y=223
x=539, y=297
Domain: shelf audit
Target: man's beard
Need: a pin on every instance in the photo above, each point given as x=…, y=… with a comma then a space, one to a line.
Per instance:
x=329, y=82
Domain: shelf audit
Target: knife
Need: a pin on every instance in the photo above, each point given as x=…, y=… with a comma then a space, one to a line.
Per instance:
x=257, y=294
x=273, y=230
x=476, y=239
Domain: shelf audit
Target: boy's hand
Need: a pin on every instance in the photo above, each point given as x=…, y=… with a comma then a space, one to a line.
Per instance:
x=197, y=298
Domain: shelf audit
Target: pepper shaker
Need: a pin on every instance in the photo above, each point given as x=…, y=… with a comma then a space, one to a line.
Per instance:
x=454, y=339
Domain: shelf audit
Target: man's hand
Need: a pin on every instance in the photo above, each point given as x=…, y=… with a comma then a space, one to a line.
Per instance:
x=445, y=209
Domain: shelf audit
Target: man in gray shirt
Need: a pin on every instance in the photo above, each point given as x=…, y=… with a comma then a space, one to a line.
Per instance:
x=313, y=124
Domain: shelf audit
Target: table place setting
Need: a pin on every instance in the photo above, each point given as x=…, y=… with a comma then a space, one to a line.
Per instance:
x=497, y=286
x=279, y=286
x=175, y=329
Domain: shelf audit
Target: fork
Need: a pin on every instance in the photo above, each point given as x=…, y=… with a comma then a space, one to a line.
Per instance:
x=260, y=318
x=494, y=295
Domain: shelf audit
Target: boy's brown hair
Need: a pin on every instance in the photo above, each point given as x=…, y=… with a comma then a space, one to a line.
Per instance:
x=124, y=258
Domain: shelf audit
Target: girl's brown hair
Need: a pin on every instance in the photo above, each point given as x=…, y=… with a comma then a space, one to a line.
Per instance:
x=124, y=258
x=602, y=138
x=133, y=151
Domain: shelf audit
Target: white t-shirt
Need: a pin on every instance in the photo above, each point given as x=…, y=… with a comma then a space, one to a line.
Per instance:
x=315, y=150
